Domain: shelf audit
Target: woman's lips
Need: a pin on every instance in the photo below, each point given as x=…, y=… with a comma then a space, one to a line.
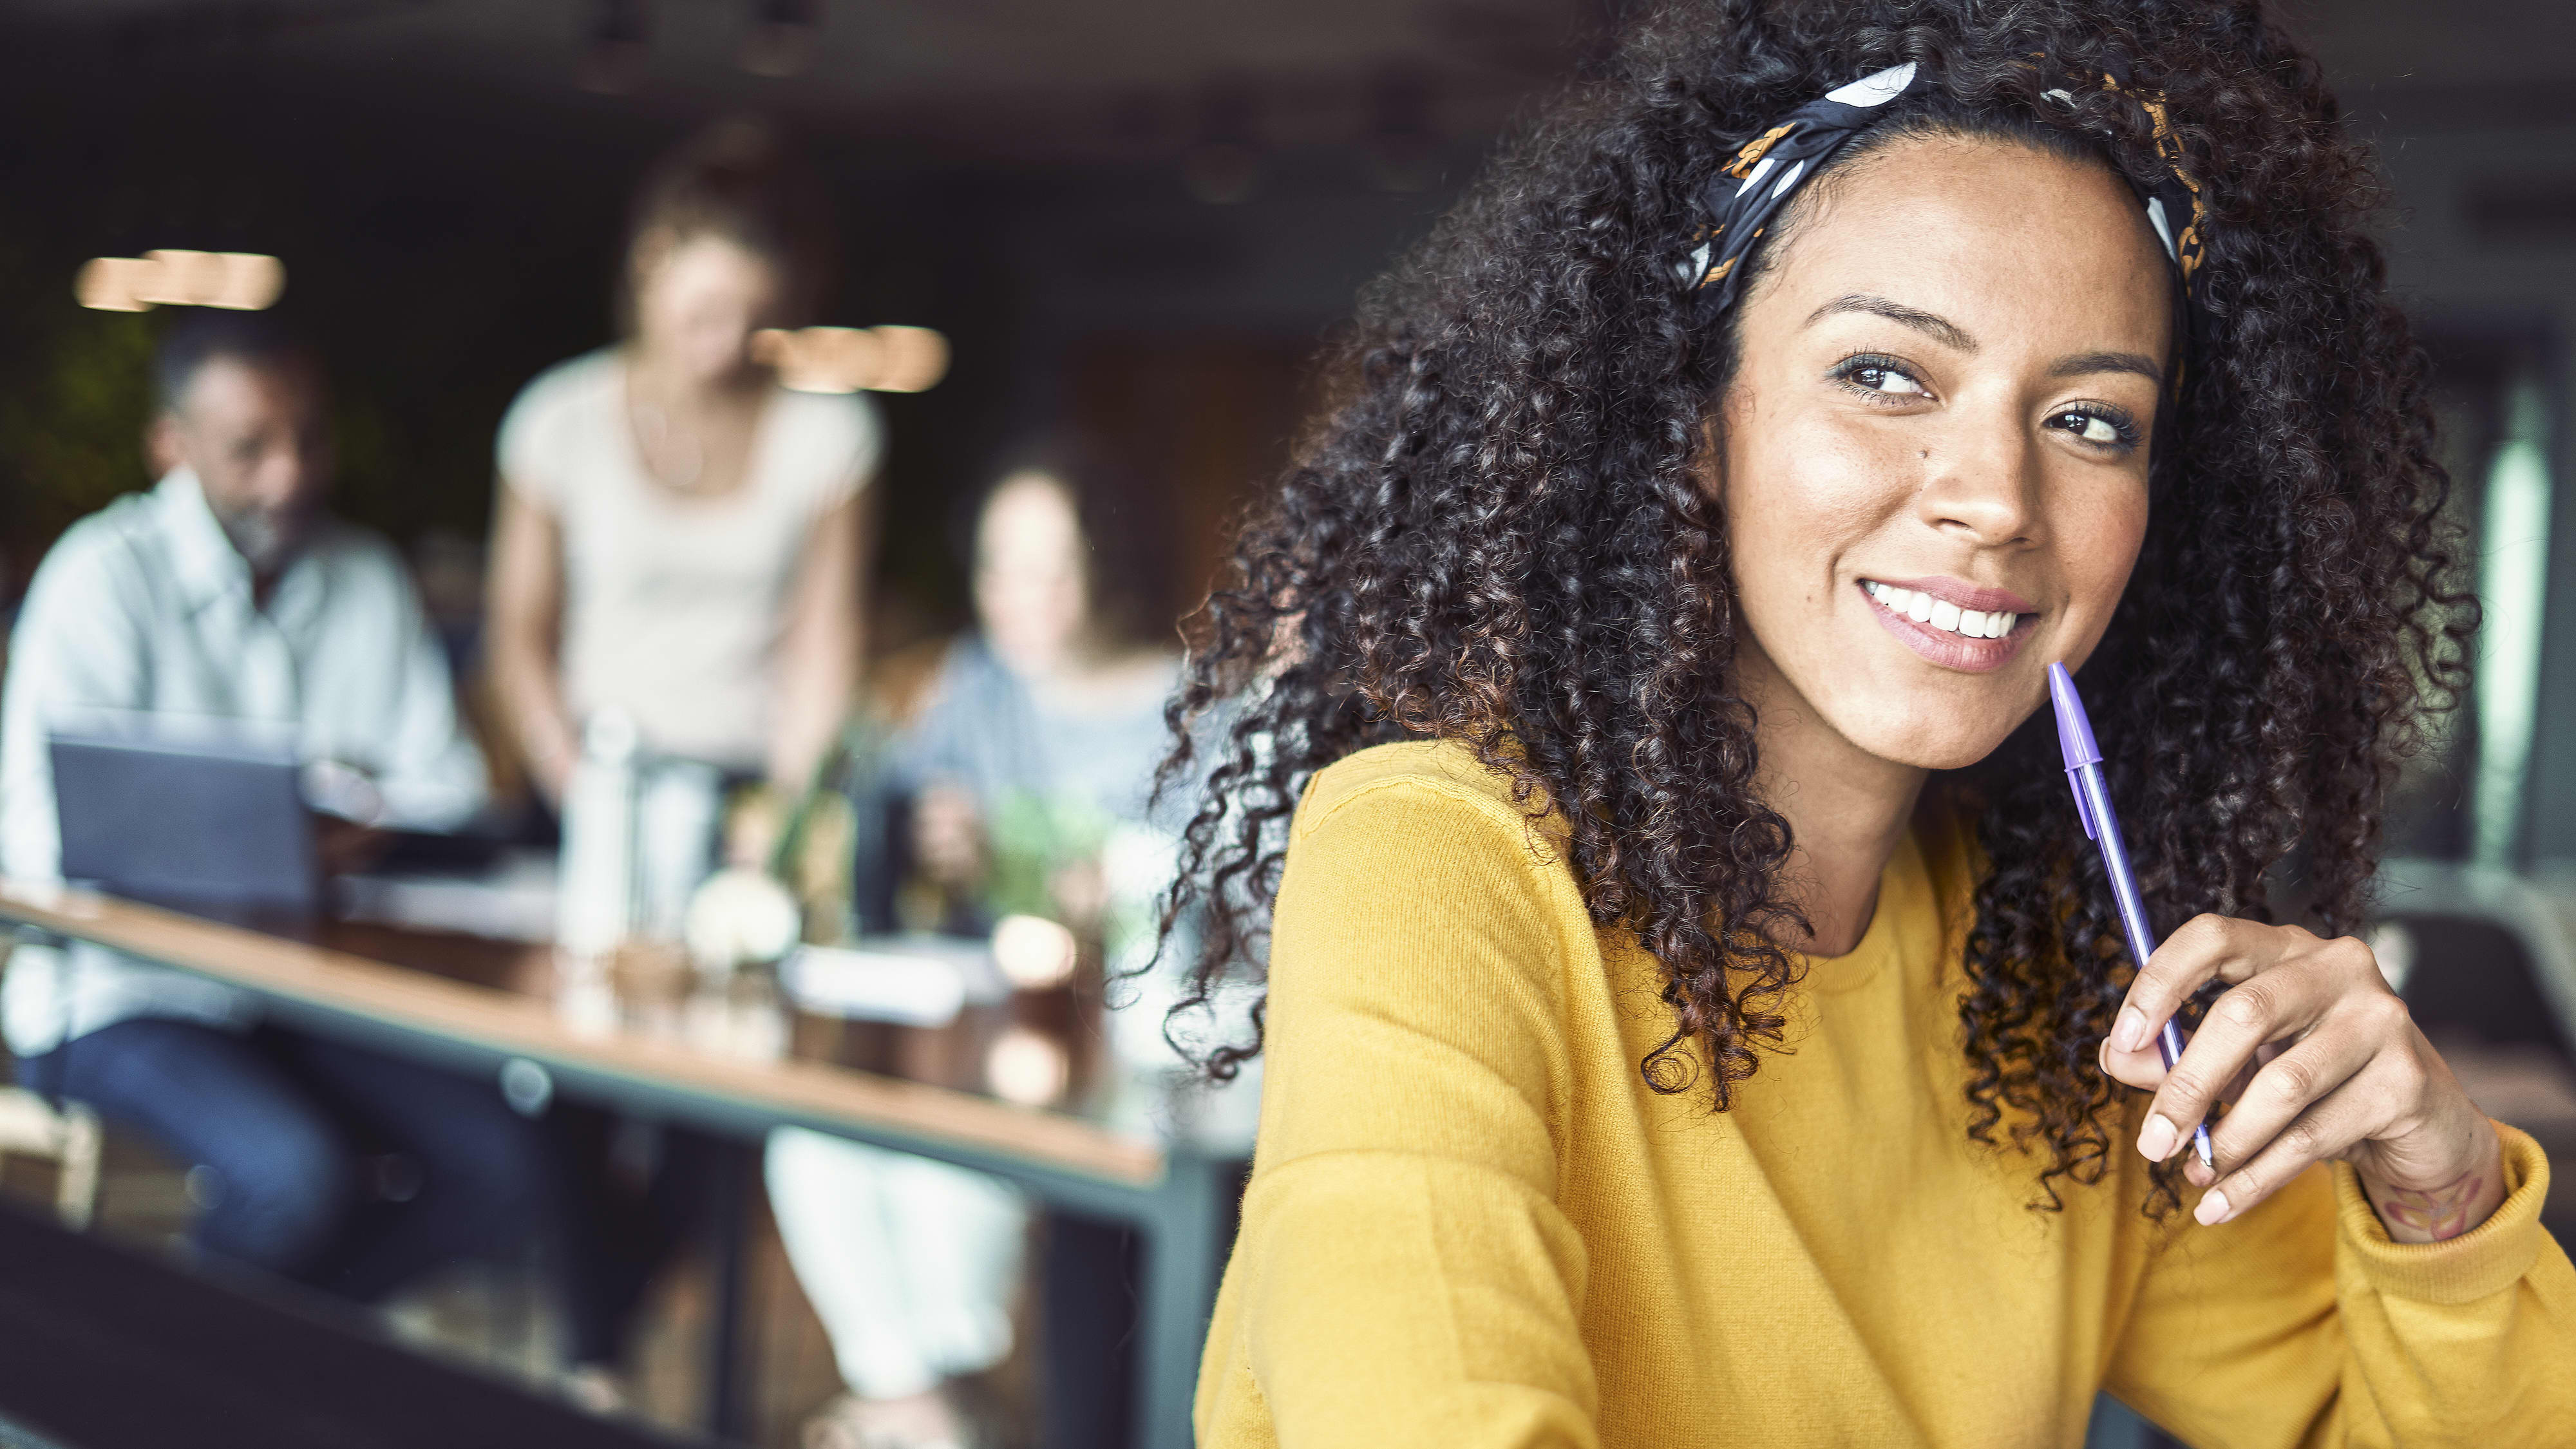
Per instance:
x=1964, y=594
x=1944, y=647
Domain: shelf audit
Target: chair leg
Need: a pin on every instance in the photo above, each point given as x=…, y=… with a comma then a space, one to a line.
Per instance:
x=76, y=1194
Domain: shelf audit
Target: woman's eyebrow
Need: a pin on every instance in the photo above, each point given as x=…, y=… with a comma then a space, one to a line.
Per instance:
x=1940, y=329
x=1950, y=334
x=2084, y=363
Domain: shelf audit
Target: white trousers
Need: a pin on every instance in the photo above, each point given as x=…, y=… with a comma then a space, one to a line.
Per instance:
x=910, y=1263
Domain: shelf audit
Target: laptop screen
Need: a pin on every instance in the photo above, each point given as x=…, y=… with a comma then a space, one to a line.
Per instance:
x=187, y=824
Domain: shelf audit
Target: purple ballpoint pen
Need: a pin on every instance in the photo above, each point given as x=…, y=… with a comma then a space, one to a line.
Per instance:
x=2093, y=807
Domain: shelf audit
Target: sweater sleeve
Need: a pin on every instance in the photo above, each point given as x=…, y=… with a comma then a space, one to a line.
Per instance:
x=1405, y=1276
x=2303, y=1323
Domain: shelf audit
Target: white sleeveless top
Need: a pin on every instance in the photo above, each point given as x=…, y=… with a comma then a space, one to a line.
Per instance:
x=673, y=606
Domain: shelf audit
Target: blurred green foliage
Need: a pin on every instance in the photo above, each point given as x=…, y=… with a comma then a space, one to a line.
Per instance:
x=73, y=412
x=75, y=393
x=1034, y=836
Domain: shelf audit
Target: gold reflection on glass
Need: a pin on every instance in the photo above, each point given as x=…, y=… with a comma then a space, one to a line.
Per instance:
x=852, y=359
x=916, y=359
x=1034, y=952
x=252, y=282
x=172, y=277
x=108, y=284
x=181, y=279
x=1026, y=1068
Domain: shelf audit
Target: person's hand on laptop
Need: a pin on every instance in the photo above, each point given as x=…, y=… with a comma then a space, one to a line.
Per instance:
x=346, y=807
x=346, y=847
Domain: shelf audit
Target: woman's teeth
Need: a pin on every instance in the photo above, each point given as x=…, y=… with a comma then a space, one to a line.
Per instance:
x=1922, y=608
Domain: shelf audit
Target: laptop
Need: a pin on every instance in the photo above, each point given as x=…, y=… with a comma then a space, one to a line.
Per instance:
x=212, y=827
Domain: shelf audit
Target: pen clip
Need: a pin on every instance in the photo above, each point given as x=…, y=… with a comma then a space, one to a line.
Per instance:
x=2083, y=810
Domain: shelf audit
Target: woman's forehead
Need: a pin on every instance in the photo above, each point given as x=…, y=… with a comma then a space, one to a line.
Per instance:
x=1028, y=509
x=708, y=256
x=1979, y=228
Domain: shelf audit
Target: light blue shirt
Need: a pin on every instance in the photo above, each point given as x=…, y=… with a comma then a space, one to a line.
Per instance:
x=146, y=608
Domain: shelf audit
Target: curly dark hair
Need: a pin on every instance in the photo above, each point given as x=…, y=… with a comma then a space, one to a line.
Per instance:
x=1500, y=535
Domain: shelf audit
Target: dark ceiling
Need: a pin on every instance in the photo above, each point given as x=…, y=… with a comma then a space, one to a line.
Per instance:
x=1049, y=78
x=1033, y=78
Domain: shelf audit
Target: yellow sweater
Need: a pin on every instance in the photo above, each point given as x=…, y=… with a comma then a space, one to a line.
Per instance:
x=1471, y=1224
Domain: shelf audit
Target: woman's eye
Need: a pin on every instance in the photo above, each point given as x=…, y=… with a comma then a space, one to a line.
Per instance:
x=2092, y=428
x=1871, y=377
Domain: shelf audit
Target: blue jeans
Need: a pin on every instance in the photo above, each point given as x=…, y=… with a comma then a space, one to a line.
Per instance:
x=292, y=1131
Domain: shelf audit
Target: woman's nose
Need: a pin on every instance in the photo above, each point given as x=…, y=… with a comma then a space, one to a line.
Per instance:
x=1980, y=480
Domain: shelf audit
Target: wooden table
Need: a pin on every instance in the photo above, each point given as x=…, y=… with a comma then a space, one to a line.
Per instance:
x=1174, y=1199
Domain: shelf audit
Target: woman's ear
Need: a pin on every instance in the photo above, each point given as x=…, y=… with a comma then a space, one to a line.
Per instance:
x=1710, y=465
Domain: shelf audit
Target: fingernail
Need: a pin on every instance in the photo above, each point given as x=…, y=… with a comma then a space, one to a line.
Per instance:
x=2130, y=1033
x=2156, y=1139
x=2213, y=1208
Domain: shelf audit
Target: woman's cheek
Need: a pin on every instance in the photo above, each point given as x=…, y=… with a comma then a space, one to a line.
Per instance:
x=2104, y=549
x=1803, y=482
x=1849, y=477
x=2096, y=541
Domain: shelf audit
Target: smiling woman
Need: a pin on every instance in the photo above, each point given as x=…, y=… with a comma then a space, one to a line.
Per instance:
x=1632, y=695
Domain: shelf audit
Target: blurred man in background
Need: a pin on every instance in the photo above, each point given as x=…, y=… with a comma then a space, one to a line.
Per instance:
x=226, y=593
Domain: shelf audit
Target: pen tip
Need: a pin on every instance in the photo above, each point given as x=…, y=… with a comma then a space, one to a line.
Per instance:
x=2074, y=728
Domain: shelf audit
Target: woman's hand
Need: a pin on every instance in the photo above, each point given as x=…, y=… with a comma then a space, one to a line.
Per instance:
x=2321, y=1062
x=523, y=607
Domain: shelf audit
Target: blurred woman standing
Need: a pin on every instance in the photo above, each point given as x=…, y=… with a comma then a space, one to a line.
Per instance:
x=678, y=536
x=680, y=539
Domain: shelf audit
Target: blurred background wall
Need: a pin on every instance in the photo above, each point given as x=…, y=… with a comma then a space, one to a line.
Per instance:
x=1141, y=217
x=1136, y=217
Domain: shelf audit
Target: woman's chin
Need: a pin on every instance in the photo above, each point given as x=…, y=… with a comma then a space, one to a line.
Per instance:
x=1943, y=747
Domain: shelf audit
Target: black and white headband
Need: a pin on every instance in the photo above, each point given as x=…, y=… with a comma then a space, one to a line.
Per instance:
x=1738, y=203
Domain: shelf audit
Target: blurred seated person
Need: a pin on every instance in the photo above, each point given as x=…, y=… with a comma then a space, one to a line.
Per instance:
x=226, y=592
x=677, y=535
x=1033, y=753
x=1047, y=720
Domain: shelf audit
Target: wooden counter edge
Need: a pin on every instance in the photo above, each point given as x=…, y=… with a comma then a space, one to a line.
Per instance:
x=499, y=1021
